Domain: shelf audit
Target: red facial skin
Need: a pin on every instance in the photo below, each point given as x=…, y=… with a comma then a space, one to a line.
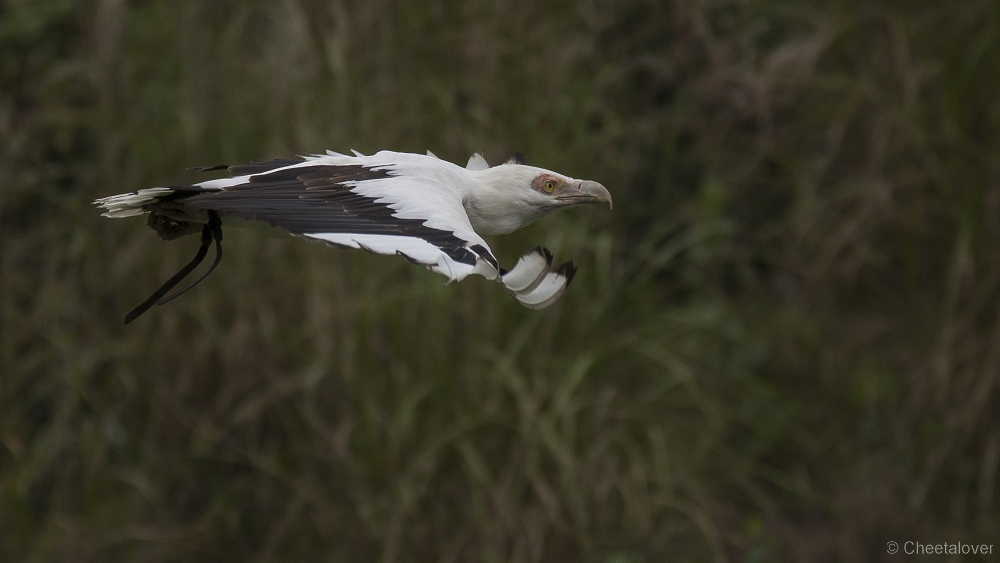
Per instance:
x=538, y=184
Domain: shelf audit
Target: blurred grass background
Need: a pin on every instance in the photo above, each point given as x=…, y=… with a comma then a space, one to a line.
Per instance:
x=782, y=345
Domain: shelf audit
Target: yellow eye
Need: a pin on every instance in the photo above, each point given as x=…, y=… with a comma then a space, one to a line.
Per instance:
x=549, y=186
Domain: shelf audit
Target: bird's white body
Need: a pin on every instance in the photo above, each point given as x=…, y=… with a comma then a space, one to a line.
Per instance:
x=426, y=209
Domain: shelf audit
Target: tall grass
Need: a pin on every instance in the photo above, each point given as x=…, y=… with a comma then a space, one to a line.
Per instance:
x=783, y=344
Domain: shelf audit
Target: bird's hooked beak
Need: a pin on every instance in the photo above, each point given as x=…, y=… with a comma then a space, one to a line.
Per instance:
x=587, y=192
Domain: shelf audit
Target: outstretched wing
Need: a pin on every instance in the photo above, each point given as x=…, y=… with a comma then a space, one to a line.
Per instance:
x=389, y=203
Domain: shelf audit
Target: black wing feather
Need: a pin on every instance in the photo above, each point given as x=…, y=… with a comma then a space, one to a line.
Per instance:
x=315, y=199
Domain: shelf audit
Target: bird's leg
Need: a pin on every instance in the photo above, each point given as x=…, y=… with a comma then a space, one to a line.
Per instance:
x=210, y=231
x=214, y=227
x=170, y=224
x=174, y=219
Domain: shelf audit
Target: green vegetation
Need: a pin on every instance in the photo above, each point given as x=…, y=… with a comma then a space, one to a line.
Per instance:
x=782, y=345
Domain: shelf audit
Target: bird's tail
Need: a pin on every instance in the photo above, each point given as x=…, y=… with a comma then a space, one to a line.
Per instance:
x=131, y=204
x=169, y=216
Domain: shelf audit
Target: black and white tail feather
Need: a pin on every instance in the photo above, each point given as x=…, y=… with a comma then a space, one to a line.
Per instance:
x=425, y=209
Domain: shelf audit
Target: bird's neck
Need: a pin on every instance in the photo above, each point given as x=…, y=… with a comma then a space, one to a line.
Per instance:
x=496, y=205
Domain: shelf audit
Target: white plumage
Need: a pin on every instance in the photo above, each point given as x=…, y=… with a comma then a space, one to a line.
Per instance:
x=426, y=209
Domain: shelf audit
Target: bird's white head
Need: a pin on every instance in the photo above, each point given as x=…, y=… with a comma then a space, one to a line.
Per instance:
x=512, y=195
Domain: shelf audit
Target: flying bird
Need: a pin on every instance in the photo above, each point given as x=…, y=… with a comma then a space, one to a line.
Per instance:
x=427, y=210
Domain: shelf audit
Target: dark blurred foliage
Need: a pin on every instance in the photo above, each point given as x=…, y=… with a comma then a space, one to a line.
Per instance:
x=783, y=343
